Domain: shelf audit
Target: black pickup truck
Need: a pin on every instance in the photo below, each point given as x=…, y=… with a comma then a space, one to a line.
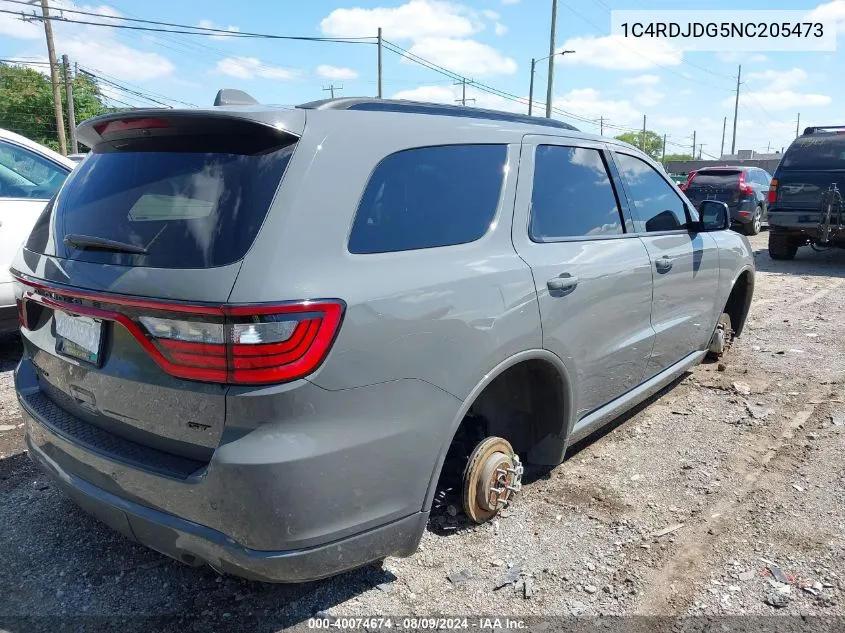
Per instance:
x=805, y=195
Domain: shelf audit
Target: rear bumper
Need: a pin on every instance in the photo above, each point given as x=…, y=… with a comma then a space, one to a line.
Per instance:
x=806, y=221
x=322, y=482
x=197, y=545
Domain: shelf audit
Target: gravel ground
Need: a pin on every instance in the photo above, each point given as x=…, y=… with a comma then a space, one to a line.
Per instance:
x=682, y=508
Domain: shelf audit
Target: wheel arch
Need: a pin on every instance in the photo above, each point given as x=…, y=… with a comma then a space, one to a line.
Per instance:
x=551, y=448
x=739, y=298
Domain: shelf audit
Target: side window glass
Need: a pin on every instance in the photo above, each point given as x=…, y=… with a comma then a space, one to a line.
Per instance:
x=25, y=174
x=656, y=203
x=429, y=197
x=572, y=195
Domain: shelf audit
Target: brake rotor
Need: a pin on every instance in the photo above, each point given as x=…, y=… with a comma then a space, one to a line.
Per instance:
x=723, y=336
x=493, y=476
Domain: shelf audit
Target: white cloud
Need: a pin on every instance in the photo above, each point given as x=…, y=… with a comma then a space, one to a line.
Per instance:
x=588, y=103
x=613, y=52
x=673, y=121
x=648, y=97
x=779, y=79
x=778, y=90
x=779, y=100
x=737, y=57
x=466, y=57
x=336, y=72
x=251, y=67
x=500, y=28
x=94, y=47
x=831, y=12
x=208, y=24
x=642, y=80
x=414, y=20
x=450, y=95
x=490, y=15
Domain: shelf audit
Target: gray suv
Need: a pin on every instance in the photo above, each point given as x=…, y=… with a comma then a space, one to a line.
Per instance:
x=257, y=338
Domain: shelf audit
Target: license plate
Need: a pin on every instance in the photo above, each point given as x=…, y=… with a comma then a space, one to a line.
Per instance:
x=79, y=337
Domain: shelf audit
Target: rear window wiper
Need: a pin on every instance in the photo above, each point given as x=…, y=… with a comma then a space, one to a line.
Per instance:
x=92, y=242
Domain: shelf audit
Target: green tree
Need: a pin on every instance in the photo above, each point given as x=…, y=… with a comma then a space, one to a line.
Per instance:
x=653, y=142
x=678, y=157
x=26, y=103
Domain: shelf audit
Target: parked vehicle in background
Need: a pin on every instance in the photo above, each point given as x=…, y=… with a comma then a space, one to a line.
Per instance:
x=744, y=189
x=29, y=176
x=805, y=196
x=241, y=366
x=678, y=179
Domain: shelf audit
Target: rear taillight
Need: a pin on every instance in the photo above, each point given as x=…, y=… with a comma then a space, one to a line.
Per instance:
x=250, y=344
x=237, y=344
x=744, y=187
x=773, y=191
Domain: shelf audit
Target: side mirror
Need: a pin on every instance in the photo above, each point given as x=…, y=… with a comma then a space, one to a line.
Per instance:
x=714, y=216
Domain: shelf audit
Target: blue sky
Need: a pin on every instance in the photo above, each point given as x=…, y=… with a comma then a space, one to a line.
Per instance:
x=491, y=41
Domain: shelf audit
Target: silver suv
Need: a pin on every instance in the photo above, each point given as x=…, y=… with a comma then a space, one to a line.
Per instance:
x=256, y=338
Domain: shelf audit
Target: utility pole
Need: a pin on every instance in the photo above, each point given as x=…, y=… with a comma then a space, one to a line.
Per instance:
x=463, y=84
x=332, y=88
x=797, y=125
x=724, y=127
x=693, y=144
x=700, y=150
x=379, y=63
x=736, y=109
x=601, y=126
x=643, y=147
x=550, y=85
x=71, y=108
x=54, y=78
x=531, y=87
x=663, y=159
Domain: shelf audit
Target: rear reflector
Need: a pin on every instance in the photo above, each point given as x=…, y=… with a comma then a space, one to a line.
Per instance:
x=236, y=344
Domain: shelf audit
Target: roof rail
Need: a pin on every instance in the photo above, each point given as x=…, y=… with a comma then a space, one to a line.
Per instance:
x=822, y=128
x=233, y=97
x=433, y=109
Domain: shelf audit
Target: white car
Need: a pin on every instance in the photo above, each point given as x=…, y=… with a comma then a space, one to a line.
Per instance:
x=29, y=176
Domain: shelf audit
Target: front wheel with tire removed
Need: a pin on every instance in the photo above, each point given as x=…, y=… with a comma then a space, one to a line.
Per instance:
x=722, y=338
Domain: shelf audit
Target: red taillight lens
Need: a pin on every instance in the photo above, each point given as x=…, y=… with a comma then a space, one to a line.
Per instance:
x=773, y=191
x=744, y=187
x=252, y=344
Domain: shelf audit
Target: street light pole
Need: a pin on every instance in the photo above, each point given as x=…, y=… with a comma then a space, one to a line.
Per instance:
x=534, y=63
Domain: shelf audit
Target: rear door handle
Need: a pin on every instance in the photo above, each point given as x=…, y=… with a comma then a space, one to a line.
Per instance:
x=663, y=265
x=562, y=285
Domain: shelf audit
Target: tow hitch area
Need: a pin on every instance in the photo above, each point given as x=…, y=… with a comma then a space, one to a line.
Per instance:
x=493, y=476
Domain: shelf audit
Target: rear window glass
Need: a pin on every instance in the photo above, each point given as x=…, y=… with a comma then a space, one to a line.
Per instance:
x=429, y=197
x=715, y=178
x=193, y=202
x=822, y=151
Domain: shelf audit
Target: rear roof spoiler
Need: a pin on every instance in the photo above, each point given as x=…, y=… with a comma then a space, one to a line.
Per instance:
x=233, y=97
x=822, y=128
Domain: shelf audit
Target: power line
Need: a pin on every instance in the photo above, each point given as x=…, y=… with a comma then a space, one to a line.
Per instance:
x=195, y=30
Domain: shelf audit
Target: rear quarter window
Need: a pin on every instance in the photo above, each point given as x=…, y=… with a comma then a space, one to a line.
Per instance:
x=428, y=197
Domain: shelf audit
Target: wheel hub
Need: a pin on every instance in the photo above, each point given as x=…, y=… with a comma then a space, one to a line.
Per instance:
x=492, y=478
